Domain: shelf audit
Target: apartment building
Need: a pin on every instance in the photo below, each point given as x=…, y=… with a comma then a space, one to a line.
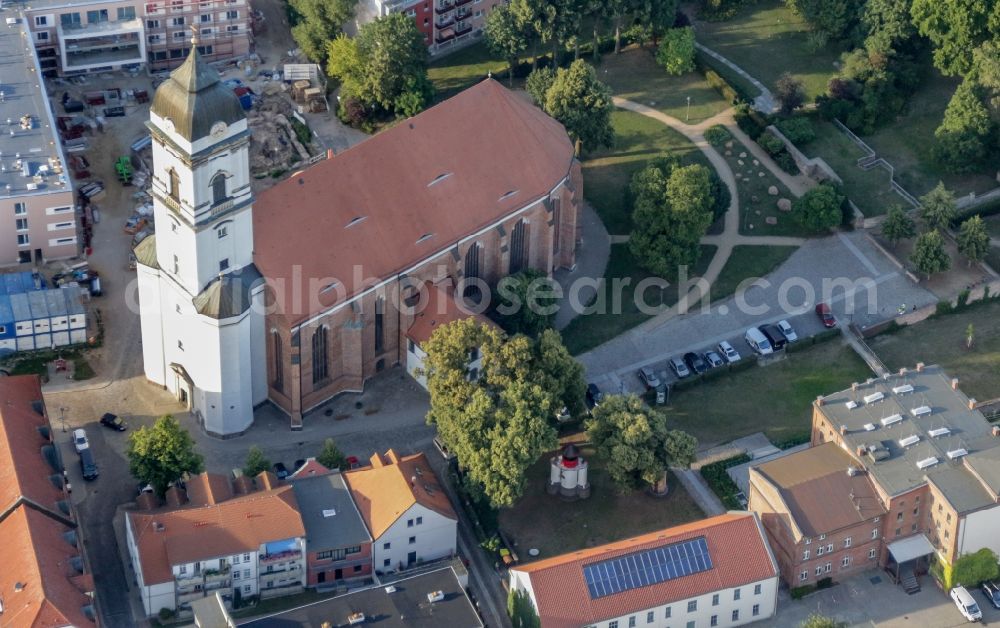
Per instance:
x=408, y=514
x=445, y=24
x=821, y=512
x=240, y=547
x=929, y=456
x=44, y=580
x=36, y=198
x=714, y=572
x=80, y=36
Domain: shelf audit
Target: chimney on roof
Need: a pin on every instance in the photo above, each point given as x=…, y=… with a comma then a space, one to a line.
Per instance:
x=852, y=471
x=413, y=481
x=996, y=431
x=972, y=404
x=329, y=153
x=954, y=383
x=819, y=400
x=920, y=367
x=902, y=371
x=843, y=430
x=854, y=386
x=860, y=451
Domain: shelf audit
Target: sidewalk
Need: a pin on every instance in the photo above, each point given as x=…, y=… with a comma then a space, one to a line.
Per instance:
x=699, y=491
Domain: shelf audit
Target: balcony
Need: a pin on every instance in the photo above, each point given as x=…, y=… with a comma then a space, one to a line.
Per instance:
x=270, y=559
x=445, y=23
x=462, y=14
x=286, y=589
x=224, y=206
x=443, y=7
x=216, y=575
x=188, y=579
x=188, y=596
x=459, y=3
x=462, y=29
x=445, y=36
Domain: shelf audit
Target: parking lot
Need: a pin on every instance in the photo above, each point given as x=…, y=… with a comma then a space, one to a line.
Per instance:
x=861, y=602
x=869, y=290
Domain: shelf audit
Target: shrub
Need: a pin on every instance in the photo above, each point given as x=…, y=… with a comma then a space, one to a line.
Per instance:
x=799, y=131
x=749, y=121
x=944, y=307
x=166, y=614
x=800, y=592
x=770, y=143
x=786, y=162
x=792, y=441
x=720, y=482
x=824, y=583
x=730, y=93
x=717, y=135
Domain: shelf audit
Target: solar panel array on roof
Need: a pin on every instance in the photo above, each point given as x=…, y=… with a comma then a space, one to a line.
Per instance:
x=643, y=569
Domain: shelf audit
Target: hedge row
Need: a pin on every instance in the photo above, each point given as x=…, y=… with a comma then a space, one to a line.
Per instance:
x=805, y=343
x=720, y=482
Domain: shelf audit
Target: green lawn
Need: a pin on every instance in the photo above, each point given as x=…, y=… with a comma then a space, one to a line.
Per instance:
x=941, y=340
x=869, y=189
x=545, y=522
x=634, y=75
x=776, y=399
x=452, y=73
x=607, y=173
x=616, y=310
x=907, y=143
x=748, y=261
x=766, y=39
x=756, y=205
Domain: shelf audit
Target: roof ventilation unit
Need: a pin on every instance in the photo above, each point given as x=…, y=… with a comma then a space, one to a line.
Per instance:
x=941, y=431
x=927, y=462
x=957, y=453
x=909, y=440
x=889, y=420
x=435, y=596
x=870, y=427
x=851, y=404
x=875, y=396
x=902, y=390
x=921, y=411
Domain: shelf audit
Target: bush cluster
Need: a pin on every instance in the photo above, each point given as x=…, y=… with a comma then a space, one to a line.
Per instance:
x=720, y=482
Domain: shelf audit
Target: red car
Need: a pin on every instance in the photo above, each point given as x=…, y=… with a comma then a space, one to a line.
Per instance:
x=825, y=315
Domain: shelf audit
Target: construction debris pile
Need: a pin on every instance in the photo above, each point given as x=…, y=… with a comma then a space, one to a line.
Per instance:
x=274, y=145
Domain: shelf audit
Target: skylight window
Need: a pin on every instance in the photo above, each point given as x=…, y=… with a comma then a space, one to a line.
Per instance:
x=869, y=427
x=355, y=221
x=441, y=177
x=889, y=420
x=425, y=237
x=902, y=390
x=927, y=462
x=874, y=397
x=507, y=194
x=957, y=453
x=851, y=404
x=921, y=411
x=329, y=512
x=941, y=431
x=909, y=440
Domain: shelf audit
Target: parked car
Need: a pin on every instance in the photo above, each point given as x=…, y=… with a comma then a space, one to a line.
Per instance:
x=966, y=604
x=825, y=315
x=774, y=336
x=679, y=368
x=144, y=488
x=695, y=362
x=80, y=441
x=787, y=330
x=113, y=421
x=727, y=351
x=648, y=377
x=87, y=464
x=992, y=591
x=758, y=342
x=594, y=396
x=280, y=470
x=714, y=359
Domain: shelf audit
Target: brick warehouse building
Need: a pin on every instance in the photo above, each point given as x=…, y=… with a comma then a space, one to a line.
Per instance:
x=308, y=290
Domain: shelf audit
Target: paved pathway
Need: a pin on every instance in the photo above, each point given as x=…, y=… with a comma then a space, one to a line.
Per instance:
x=698, y=489
x=765, y=102
x=591, y=260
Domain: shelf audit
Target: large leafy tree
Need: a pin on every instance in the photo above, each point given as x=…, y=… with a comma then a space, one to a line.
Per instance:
x=929, y=255
x=385, y=66
x=973, y=239
x=790, y=92
x=986, y=71
x=317, y=22
x=819, y=208
x=676, y=51
x=551, y=20
x=898, y=225
x=583, y=105
x=658, y=15
x=538, y=83
x=499, y=422
x=956, y=29
x=834, y=18
x=256, y=461
x=672, y=212
x=976, y=567
x=635, y=442
x=331, y=457
x=967, y=135
x=937, y=207
x=526, y=302
x=162, y=454
x=506, y=36
x=887, y=24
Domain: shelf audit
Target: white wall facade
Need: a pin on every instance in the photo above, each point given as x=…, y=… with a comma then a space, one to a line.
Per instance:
x=758, y=596
x=434, y=537
x=201, y=237
x=979, y=529
x=154, y=596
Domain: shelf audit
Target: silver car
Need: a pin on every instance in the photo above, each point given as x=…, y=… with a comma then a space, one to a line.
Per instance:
x=787, y=330
x=731, y=355
x=648, y=377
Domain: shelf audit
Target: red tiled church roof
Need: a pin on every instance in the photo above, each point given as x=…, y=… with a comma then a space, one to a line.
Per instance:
x=740, y=555
x=406, y=194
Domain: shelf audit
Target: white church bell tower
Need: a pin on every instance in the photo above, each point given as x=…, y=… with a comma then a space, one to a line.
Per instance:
x=201, y=297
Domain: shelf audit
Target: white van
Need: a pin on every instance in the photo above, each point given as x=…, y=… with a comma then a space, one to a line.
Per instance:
x=758, y=341
x=966, y=604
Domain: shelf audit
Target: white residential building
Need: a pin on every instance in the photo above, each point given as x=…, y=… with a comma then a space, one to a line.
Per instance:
x=408, y=514
x=715, y=572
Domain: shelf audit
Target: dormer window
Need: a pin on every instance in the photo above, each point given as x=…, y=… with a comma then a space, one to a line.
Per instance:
x=218, y=188
x=175, y=185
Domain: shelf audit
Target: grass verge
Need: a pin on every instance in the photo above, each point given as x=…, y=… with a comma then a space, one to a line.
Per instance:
x=615, y=309
x=545, y=522
x=463, y=68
